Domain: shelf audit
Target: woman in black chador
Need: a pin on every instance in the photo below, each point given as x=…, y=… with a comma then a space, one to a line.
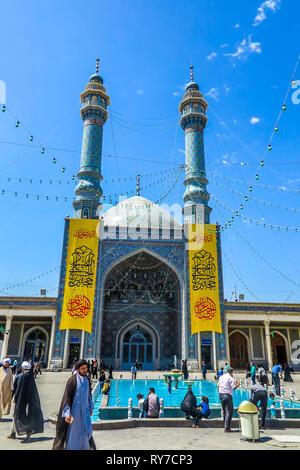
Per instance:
x=184, y=369
x=28, y=416
x=287, y=373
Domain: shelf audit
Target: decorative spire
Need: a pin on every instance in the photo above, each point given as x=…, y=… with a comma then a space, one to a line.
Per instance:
x=192, y=72
x=138, y=179
x=97, y=66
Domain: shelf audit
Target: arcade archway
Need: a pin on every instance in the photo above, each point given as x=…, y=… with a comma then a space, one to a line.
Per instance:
x=35, y=345
x=279, y=351
x=238, y=347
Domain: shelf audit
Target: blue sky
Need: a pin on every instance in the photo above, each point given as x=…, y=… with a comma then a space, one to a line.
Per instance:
x=244, y=54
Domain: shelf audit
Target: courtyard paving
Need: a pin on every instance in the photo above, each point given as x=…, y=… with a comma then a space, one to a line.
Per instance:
x=51, y=386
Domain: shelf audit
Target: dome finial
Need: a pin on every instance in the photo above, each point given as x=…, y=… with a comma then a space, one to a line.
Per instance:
x=192, y=73
x=138, y=188
x=97, y=66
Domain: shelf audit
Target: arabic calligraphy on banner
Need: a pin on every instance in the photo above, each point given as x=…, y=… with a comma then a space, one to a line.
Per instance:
x=204, y=282
x=80, y=283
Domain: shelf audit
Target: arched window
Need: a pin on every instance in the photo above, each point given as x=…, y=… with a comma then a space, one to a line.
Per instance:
x=35, y=345
x=85, y=213
x=137, y=346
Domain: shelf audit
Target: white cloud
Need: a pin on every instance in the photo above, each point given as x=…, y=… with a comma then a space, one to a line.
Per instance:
x=213, y=93
x=254, y=120
x=223, y=45
x=245, y=48
x=272, y=5
x=181, y=150
x=227, y=89
x=176, y=93
x=211, y=56
x=235, y=121
x=139, y=91
x=237, y=26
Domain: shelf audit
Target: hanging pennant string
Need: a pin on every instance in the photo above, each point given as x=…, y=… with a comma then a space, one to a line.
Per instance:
x=282, y=189
x=168, y=118
x=263, y=201
x=262, y=258
x=239, y=277
x=106, y=197
x=275, y=128
x=73, y=181
x=250, y=219
x=238, y=214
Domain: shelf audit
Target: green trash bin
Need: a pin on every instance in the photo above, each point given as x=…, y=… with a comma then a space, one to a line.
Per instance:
x=249, y=424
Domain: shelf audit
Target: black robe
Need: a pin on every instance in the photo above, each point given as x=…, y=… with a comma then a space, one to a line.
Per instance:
x=62, y=426
x=28, y=415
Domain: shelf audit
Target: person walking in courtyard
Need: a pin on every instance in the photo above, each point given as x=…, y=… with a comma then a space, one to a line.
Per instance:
x=133, y=372
x=28, y=416
x=102, y=379
x=184, y=369
x=74, y=425
x=110, y=370
x=276, y=373
x=287, y=373
x=262, y=375
x=260, y=394
x=253, y=372
x=204, y=370
x=6, y=387
x=226, y=367
x=226, y=385
x=15, y=367
x=95, y=370
x=151, y=404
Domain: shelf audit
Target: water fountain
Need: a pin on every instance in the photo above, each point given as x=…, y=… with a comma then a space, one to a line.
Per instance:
x=175, y=374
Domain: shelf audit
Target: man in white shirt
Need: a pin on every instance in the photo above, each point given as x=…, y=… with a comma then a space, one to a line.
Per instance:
x=226, y=385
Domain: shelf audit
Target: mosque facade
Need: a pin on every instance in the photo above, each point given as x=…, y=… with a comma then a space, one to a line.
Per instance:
x=141, y=307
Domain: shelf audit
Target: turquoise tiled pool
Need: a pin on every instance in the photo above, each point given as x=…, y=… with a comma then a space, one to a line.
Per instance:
x=122, y=390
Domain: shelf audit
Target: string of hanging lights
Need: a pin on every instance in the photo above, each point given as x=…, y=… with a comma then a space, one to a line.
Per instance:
x=263, y=201
x=20, y=179
x=239, y=277
x=282, y=189
x=275, y=129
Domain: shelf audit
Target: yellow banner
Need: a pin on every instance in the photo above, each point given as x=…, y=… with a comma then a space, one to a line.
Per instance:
x=204, y=281
x=80, y=282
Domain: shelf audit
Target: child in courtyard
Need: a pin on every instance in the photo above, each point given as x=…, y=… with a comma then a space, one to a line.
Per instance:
x=141, y=400
x=272, y=405
x=170, y=384
x=204, y=412
x=106, y=387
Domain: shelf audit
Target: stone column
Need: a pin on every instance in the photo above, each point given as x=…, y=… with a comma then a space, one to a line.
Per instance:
x=199, y=350
x=268, y=344
x=66, y=349
x=51, y=340
x=214, y=350
x=82, y=344
x=6, y=335
x=227, y=340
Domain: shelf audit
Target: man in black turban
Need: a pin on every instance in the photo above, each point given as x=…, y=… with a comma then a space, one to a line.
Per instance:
x=74, y=425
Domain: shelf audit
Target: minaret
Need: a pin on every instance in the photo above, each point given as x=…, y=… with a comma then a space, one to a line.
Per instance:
x=193, y=121
x=94, y=114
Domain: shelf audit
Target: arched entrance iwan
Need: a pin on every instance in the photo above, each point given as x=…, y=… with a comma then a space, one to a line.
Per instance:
x=238, y=346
